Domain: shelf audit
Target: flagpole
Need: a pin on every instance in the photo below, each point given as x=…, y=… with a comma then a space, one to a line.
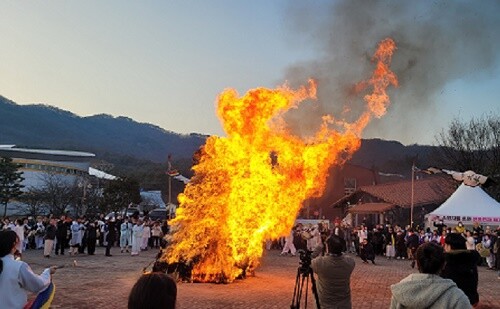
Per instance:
x=169, y=168
x=412, y=192
x=169, y=190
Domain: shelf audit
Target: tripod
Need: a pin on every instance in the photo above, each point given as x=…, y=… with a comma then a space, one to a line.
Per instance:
x=304, y=273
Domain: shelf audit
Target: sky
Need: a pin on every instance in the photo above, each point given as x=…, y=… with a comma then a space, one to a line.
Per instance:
x=165, y=62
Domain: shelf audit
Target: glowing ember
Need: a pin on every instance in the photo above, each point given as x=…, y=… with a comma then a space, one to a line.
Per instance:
x=249, y=186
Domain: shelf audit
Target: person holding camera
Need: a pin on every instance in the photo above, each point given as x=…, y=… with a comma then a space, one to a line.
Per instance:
x=333, y=270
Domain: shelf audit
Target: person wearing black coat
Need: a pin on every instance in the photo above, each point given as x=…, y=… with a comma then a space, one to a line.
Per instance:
x=91, y=237
x=366, y=252
x=378, y=241
x=412, y=243
x=440, y=226
x=400, y=245
x=461, y=266
x=61, y=235
x=50, y=236
x=111, y=236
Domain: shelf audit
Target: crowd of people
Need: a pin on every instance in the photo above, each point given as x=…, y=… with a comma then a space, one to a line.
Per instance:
x=446, y=257
x=392, y=241
x=81, y=235
x=450, y=252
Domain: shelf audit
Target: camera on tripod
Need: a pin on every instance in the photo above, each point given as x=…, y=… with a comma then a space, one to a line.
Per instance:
x=304, y=275
x=305, y=257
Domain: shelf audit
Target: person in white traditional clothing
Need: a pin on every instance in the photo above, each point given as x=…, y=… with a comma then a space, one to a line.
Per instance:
x=486, y=242
x=19, y=229
x=100, y=228
x=315, y=238
x=104, y=233
x=146, y=233
x=39, y=233
x=289, y=246
x=136, y=238
x=470, y=243
x=27, y=230
x=16, y=277
x=125, y=233
x=8, y=225
x=268, y=244
x=76, y=237
x=362, y=234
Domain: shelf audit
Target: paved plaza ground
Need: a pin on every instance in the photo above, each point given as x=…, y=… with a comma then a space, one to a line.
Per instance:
x=104, y=282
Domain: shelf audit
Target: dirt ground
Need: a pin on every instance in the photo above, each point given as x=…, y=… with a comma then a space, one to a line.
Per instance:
x=105, y=282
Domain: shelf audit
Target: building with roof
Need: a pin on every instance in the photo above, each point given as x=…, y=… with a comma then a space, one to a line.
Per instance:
x=342, y=181
x=69, y=166
x=34, y=162
x=393, y=201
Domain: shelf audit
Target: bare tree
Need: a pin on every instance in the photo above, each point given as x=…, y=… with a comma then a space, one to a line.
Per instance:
x=58, y=192
x=472, y=146
x=33, y=200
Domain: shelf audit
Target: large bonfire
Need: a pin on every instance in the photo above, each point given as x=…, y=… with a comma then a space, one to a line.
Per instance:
x=249, y=186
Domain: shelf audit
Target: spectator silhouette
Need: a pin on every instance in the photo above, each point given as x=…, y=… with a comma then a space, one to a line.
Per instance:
x=153, y=290
x=427, y=289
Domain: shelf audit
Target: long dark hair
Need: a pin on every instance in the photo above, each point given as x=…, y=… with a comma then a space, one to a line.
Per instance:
x=7, y=241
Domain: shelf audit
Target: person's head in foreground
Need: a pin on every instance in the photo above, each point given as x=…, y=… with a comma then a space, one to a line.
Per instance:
x=454, y=241
x=8, y=241
x=427, y=289
x=430, y=258
x=153, y=290
x=335, y=245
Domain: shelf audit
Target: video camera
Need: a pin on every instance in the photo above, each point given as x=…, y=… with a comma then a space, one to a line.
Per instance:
x=304, y=274
x=305, y=257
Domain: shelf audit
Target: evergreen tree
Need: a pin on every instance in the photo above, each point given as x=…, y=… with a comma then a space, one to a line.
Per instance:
x=10, y=182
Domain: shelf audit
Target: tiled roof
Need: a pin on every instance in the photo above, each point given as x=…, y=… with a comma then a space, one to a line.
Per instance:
x=370, y=208
x=430, y=190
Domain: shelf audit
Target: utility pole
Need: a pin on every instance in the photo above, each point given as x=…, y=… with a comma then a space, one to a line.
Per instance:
x=169, y=190
x=412, y=192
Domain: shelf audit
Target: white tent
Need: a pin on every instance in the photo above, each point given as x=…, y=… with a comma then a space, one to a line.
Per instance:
x=468, y=204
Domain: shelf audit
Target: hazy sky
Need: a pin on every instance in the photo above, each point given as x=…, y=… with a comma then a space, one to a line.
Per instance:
x=164, y=62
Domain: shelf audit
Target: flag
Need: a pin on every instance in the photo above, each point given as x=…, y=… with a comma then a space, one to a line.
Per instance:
x=428, y=171
x=44, y=299
x=471, y=178
x=468, y=178
x=182, y=178
x=171, y=172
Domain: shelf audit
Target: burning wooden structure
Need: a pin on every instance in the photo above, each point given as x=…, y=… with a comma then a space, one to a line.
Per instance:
x=249, y=185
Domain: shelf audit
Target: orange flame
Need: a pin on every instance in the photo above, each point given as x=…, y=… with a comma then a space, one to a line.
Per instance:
x=249, y=186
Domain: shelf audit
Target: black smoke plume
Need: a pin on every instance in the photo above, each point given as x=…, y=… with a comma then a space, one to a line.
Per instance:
x=438, y=42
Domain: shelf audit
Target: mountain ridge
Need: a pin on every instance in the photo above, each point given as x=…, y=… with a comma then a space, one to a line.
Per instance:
x=46, y=126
